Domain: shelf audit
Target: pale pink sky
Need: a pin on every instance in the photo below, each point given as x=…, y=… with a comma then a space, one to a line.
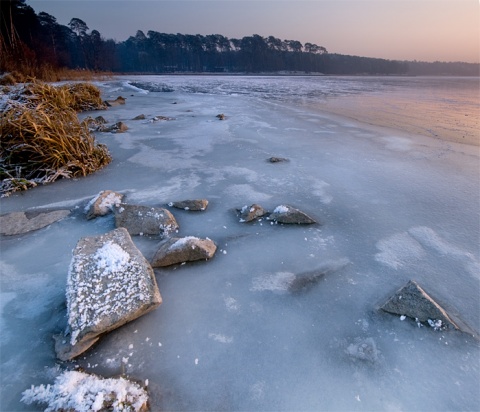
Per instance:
x=429, y=30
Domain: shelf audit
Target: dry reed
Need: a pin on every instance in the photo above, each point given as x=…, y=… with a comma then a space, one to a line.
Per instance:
x=42, y=139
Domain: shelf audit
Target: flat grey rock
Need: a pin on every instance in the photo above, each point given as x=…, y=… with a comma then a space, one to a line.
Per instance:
x=144, y=220
x=412, y=301
x=193, y=205
x=17, y=223
x=109, y=284
x=186, y=249
x=289, y=215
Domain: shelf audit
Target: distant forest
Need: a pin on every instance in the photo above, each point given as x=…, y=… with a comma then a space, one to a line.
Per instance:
x=29, y=40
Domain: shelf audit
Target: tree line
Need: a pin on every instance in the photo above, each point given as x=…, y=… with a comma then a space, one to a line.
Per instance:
x=31, y=39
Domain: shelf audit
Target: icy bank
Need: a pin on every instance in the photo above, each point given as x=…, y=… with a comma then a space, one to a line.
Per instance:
x=231, y=334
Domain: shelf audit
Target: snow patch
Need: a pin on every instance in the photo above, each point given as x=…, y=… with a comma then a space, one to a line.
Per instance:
x=398, y=250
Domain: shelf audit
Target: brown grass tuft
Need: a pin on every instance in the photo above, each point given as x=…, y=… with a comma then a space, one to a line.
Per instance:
x=42, y=139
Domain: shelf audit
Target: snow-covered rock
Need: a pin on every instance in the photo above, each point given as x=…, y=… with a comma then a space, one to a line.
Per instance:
x=144, y=220
x=103, y=203
x=194, y=205
x=109, y=284
x=290, y=215
x=80, y=391
x=185, y=249
x=17, y=223
x=249, y=213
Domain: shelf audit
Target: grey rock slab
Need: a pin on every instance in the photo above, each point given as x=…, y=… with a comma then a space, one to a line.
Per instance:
x=109, y=284
x=412, y=301
x=103, y=204
x=193, y=205
x=17, y=223
x=145, y=220
x=186, y=249
x=289, y=215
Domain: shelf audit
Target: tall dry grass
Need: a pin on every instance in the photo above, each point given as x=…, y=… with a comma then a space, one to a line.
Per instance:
x=41, y=138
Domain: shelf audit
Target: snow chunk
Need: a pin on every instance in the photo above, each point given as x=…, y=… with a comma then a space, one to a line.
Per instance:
x=79, y=391
x=281, y=209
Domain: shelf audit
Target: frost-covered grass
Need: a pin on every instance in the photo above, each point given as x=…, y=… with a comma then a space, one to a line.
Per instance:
x=79, y=391
x=42, y=138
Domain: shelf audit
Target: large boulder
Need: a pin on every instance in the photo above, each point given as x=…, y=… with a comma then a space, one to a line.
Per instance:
x=17, y=223
x=109, y=284
x=103, y=203
x=193, y=205
x=144, y=220
x=249, y=213
x=290, y=215
x=412, y=301
x=185, y=249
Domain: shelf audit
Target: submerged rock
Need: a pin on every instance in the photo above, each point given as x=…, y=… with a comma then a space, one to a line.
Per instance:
x=364, y=349
x=303, y=282
x=249, y=213
x=412, y=301
x=162, y=118
x=117, y=102
x=221, y=116
x=109, y=284
x=144, y=220
x=17, y=223
x=274, y=159
x=194, y=205
x=185, y=249
x=103, y=203
x=290, y=215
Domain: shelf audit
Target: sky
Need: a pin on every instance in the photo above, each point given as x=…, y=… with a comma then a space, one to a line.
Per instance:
x=425, y=30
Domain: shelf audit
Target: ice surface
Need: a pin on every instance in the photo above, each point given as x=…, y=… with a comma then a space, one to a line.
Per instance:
x=229, y=334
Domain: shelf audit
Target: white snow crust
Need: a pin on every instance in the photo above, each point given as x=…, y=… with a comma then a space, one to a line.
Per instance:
x=82, y=392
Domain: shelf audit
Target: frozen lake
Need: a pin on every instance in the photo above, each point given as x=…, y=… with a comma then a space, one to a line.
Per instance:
x=392, y=206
